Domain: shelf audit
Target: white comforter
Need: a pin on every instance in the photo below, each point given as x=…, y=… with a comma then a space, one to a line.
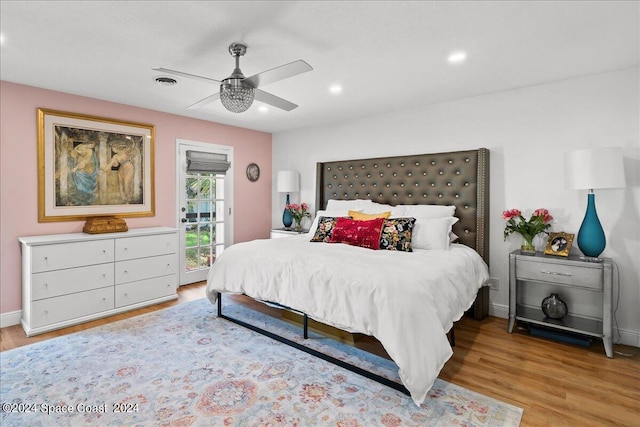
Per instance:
x=407, y=300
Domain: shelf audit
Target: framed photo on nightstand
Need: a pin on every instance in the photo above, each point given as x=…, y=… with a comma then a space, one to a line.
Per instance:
x=559, y=244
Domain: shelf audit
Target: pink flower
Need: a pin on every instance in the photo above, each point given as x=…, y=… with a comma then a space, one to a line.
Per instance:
x=511, y=214
x=544, y=214
x=298, y=211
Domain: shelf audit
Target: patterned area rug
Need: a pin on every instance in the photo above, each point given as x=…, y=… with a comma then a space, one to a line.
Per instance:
x=183, y=366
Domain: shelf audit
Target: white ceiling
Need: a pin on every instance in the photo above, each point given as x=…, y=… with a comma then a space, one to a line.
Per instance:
x=387, y=55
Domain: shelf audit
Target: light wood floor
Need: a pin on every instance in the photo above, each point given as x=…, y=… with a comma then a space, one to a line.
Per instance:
x=556, y=384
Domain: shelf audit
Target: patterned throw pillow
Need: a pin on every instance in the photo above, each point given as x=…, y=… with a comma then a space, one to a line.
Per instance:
x=396, y=234
x=324, y=229
x=365, y=234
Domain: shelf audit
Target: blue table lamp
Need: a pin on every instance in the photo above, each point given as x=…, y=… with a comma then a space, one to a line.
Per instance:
x=288, y=182
x=589, y=169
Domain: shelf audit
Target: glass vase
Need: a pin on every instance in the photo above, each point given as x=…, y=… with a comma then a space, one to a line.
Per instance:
x=527, y=247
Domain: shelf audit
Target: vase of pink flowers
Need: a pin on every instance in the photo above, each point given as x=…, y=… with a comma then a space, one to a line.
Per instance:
x=538, y=223
x=298, y=212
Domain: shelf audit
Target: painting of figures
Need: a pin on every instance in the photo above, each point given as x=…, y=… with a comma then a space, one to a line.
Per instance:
x=93, y=167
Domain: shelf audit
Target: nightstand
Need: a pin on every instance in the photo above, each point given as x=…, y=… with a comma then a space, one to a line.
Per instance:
x=585, y=286
x=277, y=233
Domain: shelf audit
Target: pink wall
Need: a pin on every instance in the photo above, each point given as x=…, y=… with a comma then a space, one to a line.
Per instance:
x=18, y=174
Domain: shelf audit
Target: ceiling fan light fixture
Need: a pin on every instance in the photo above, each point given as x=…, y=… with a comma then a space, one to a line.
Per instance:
x=236, y=98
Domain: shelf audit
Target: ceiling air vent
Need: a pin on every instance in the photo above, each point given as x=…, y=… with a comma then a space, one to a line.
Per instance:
x=166, y=81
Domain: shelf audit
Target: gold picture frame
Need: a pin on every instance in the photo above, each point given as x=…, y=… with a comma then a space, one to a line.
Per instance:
x=559, y=244
x=93, y=167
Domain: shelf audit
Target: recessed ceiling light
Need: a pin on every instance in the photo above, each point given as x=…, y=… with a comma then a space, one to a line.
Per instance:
x=335, y=89
x=457, y=57
x=166, y=81
x=263, y=109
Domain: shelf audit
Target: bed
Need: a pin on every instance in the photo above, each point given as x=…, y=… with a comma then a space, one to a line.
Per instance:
x=408, y=300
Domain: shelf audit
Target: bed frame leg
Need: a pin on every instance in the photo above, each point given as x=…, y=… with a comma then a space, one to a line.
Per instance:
x=305, y=326
x=220, y=304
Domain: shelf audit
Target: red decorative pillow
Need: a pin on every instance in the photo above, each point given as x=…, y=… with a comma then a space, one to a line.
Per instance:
x=365, y=234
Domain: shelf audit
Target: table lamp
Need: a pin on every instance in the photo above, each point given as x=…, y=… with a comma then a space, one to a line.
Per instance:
x=589, y=169
x=288, y=181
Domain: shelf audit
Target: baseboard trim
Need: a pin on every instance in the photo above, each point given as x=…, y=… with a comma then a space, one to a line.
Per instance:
x=10, y=319
x=626, y=337
x=499, y=310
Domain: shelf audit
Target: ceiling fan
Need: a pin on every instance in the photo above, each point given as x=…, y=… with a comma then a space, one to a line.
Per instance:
x=237, y=92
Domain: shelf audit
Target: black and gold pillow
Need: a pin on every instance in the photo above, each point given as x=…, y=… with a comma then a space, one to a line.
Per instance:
x=396, y=234
x=324, y=229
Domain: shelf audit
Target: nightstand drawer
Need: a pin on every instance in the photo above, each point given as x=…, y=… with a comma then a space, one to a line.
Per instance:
x=559, y=273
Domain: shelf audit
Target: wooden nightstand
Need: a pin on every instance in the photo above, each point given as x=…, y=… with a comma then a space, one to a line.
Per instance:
x=277, y=233
x=586, y=287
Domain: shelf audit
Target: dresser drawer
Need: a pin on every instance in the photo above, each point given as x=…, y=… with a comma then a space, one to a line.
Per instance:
x=69, y=255
x=145, y=290
x=53, y=310
x=585, y=277
x=61, y=282
x=145, y=268
x=146, y=246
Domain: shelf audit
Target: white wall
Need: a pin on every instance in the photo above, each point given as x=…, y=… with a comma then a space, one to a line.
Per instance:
x=527, y=131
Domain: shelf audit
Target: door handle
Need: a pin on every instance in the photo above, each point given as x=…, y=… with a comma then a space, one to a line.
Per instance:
x=183, y=220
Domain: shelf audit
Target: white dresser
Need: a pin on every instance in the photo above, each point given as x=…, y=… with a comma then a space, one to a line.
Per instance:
x=73, y=278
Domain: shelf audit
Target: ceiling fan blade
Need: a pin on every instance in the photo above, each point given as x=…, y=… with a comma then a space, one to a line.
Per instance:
x=204, y=101
x=181, y=74
x=273, y=100
x=282, y=72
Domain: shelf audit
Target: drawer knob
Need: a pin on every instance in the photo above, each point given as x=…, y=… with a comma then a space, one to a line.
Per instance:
x=555, y=273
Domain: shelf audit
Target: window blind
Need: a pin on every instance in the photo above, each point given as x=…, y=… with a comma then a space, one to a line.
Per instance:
x=198, y=161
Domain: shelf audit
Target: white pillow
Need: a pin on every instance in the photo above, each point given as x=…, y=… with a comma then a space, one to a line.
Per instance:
x=335, y=212
x=432, y=233
x=429, y=211
x=346, y=205
x=375, y=208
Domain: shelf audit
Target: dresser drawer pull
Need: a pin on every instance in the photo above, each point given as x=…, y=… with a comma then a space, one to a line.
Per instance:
x=555, y=273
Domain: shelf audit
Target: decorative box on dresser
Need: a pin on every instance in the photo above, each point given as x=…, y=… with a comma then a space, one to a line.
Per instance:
x=589, y=286
x=73, y=278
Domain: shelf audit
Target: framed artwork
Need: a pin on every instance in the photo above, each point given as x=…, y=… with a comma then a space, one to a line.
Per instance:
x=92, y=166
x=559, y=244
x=253, y=172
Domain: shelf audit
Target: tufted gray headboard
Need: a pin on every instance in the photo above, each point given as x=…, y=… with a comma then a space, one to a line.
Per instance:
x=459, y=178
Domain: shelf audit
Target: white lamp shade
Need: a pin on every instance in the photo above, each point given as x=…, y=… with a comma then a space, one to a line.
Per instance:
x=288, y=181
x=594, y=168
